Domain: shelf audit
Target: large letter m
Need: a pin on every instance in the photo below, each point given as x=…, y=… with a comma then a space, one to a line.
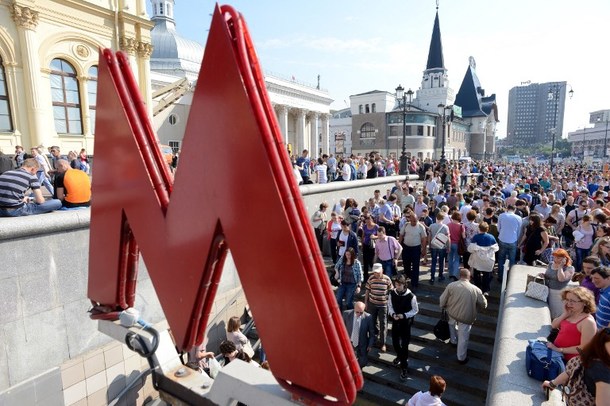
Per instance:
x=234, y=190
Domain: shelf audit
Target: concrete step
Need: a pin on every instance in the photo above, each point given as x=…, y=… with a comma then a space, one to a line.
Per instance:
x=477, y=333
x=493, y=304
x=433, y=310
x=403, y=390
x=475, y=385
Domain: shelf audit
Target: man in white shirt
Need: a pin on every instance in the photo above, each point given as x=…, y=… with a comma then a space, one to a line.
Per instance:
x=346, y=172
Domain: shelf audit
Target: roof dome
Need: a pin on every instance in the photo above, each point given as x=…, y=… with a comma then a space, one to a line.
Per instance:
x=172, y=54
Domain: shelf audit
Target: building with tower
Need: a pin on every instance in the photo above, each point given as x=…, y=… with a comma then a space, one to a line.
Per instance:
x=535, y=112
x=436, y=122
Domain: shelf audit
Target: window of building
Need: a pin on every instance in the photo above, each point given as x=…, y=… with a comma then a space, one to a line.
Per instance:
x=160, y=8
x=367, y=131
x=360, y=109
x=373, y=108
x=175, y=146
x=66, y=98
x=367, y=109
x=6, y=123
x=420, y=130
x=92, y=96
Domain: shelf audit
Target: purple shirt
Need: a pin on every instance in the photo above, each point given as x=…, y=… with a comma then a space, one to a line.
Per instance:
x=587, y=283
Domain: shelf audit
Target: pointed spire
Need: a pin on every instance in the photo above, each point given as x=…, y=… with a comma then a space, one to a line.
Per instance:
x=435, y=54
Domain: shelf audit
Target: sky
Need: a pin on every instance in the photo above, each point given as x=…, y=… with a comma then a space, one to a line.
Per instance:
x=357, y=46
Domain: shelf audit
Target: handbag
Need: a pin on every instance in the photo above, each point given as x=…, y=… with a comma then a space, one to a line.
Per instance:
x=552, y=335
x=534, y=278
x=248, y=350
x=537, y=291
x=439, y=241
x=441, y=330
x=462, y=246
x=542, y=363
x=575, y=391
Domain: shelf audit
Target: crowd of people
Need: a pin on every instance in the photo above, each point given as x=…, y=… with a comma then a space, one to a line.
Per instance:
x=466, y=220
x=66, y=179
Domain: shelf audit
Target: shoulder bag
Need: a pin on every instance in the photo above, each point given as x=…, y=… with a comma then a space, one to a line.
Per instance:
x=439, y=241
x=542, y=363
x=462, y=249
x=441, y=330
x=537, y=291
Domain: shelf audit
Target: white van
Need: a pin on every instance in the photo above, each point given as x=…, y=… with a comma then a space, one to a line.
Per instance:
x=465, y=159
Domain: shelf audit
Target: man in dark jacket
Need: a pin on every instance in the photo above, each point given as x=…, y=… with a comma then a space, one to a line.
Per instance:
x=361, y=330
x=402, y=308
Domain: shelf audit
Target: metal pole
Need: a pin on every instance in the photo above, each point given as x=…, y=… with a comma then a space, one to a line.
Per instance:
x=403, y=155
x=606, y=138
x=554, y=130
x=443, y=159
x=584, y=139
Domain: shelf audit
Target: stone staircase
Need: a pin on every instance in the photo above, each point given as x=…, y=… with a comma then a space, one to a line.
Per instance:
x=466, y=384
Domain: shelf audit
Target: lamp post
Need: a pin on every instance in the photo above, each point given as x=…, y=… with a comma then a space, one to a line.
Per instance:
x=554, y=95
x=406, y=98
x=584, y=141
x=606, y=140
x=445, y=112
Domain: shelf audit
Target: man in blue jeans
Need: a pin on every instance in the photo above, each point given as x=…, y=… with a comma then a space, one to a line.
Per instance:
x=387, y=251
x=509, y=226
x=13, y=187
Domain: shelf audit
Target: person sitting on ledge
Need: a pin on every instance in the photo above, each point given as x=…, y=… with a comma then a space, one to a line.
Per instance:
x=13, y=186
x=72, y=186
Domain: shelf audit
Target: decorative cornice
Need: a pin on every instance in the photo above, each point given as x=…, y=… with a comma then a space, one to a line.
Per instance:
x=128, y=45
x=24, y=16
x=145, y=49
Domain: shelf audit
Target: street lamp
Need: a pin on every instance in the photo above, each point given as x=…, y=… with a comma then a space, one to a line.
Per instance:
x=406, y=98
x=584, y=141
x=554, y=94
x=446, y=114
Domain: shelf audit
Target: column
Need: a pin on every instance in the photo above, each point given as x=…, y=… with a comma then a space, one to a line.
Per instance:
x=300, y=136
x=282, y=113
x=325, y=134
x=314, y=142
x=144, y=51
x=26, y=21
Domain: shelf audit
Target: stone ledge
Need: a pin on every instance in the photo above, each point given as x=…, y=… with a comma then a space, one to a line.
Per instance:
x=522, y=319
x=49, y=223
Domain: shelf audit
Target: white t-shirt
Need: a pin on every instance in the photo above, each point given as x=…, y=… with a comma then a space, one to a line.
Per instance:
x=343, y=237
x=346, y=171
x=321, y=171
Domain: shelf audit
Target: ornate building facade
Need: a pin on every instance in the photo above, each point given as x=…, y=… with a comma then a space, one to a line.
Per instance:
x=48, y=66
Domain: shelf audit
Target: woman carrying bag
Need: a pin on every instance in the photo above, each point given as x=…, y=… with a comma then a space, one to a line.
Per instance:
x=483, y=248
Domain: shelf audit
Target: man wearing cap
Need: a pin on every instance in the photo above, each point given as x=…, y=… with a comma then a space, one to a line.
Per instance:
x=376, y=299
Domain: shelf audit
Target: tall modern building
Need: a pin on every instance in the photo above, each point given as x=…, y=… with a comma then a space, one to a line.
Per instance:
x=535, y=113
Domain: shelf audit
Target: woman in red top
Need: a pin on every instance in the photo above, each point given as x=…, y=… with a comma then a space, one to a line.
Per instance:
x=576, y=324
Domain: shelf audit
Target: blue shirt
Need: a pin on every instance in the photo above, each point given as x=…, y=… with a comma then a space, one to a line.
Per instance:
x=602, y=316
x=509, y=226
x=484, y=240
x=304, y=162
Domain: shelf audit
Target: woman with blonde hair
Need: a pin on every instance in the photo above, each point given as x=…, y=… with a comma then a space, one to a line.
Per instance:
x=558, y=274
x=576, y=324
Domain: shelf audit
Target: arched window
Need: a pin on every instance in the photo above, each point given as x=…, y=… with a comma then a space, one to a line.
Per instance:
x=373, y=108
x=367, y=131
x=92, y=96
x=6, y=123
x=66, y=99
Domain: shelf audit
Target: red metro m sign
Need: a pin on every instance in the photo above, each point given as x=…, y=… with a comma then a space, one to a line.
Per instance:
x=183, y=228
